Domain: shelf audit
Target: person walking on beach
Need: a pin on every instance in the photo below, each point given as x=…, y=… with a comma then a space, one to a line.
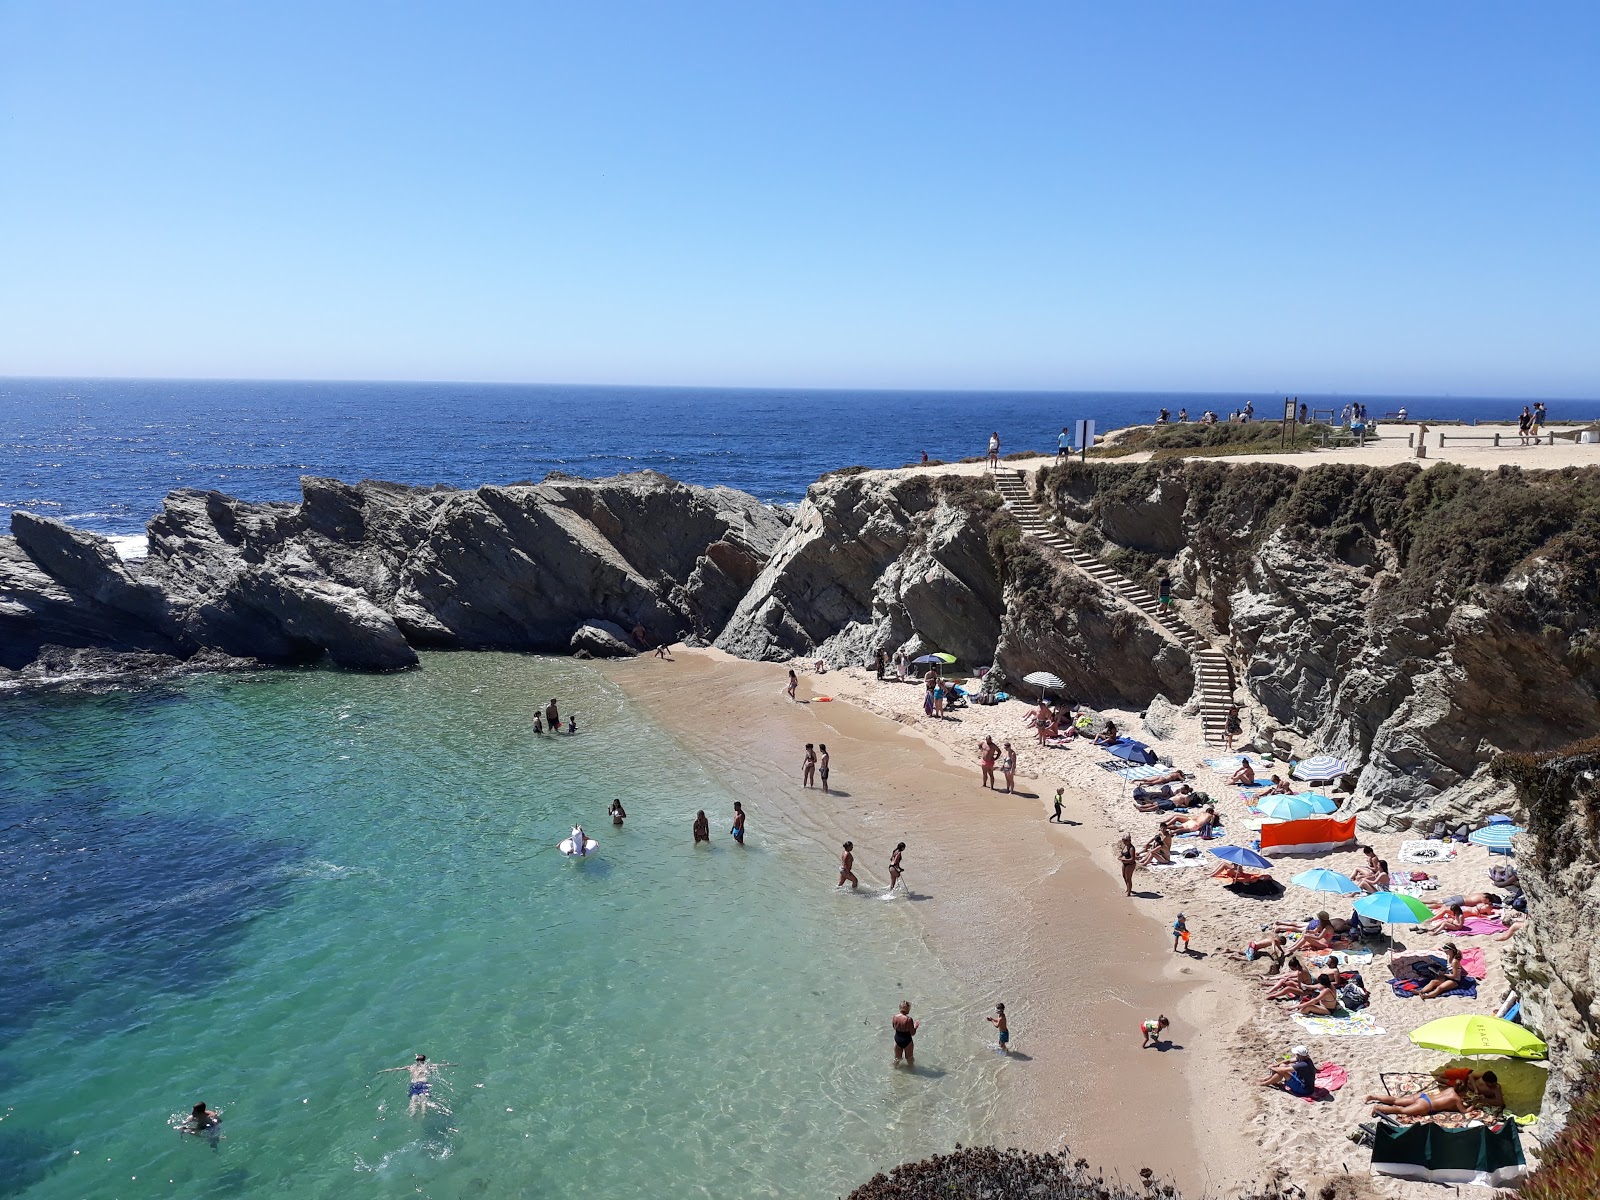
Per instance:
x=905, y=1034
x=1180, y=933
x=896, y=868
x=988, y=752
x=1128, y=859
x=847, y=862
x=794, y=683
x=421, y=1072
x=1056, y=819
x=994, y=451
x=1004, y=1030
x=822, y=764
x=808, y=766
x=1008, y=767
x=738, y=823
x=552, y=716
x=1152, y=1032
x=702, y=828
x=901, y=664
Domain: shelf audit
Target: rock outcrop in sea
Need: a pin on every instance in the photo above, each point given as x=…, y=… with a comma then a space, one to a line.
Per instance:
x=363, y=574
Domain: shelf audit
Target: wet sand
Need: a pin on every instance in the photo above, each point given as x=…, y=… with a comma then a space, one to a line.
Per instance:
x=1018, y=909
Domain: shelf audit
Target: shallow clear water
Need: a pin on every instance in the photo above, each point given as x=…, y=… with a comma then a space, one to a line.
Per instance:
x=258, y=892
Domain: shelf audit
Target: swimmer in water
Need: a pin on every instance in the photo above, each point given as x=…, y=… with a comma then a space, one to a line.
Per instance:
x=421, y=1073
x=618, y=813
x=896, y=871
x=572, y=724
x=203, y=1122
x=538, y=725
x=738, y=823
x=552, y=716
x=847, y=862
x=580, y=842
x=702, y=828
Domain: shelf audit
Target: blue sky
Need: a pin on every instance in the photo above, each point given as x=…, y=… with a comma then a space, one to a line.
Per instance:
x=1358, y=197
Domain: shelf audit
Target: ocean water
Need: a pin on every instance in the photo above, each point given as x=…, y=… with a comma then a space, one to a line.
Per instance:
x=102, y=453
x=259, y=892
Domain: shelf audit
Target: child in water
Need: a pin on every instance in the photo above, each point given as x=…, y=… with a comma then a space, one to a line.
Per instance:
x=572, y=724
x=999, y=1022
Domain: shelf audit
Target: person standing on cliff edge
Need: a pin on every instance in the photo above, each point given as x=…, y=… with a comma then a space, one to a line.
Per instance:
x=994, y=451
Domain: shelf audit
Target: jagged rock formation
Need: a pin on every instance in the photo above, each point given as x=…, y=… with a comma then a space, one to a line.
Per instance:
x=1554, y=962
x=364, y=573
x=1413, y=622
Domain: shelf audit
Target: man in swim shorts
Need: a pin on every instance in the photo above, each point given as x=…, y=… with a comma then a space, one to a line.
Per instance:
x=421, y=1073
x=822, y=763
x=905, y=1035
x=847, y=862
x=738, y=823
x=999, y=1022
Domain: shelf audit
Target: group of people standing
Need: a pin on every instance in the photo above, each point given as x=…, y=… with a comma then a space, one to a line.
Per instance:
x=989, y=755
x=551, y=718
x=702, y=825
x=1530, y=423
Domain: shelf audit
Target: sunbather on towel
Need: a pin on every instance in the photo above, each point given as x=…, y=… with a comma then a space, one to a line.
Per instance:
x=1279, y=787
x=1291, y=983
x=1486, y=1090
x=1455, y=975
x=1163, y=798
x=1157, y=849
x=1450, y=921
x=1323, y=1001
x=1107, y=735
x=1200, y=822
x=1245, y=776
x=1172, y=776
x=1478, y=904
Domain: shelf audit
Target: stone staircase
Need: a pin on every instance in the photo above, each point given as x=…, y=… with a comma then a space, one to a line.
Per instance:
x=1213, y=673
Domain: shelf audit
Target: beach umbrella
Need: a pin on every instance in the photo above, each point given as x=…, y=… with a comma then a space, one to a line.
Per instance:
x=1497, y=836
x=1239, y=856
x=1323, y=766
x=1131, y=751
x=934, y=658
x=1295, y=808
x=1391, y=908
x=1045, y=681
x=1473, y=1033
x=1320, y=879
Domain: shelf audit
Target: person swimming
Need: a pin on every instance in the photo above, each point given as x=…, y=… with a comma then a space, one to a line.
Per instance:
x=421, y=1072
x=203, y=1122
x=617, y=812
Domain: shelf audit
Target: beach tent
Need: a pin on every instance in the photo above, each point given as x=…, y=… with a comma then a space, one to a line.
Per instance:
x=1313, y=835
x=1483, y=1155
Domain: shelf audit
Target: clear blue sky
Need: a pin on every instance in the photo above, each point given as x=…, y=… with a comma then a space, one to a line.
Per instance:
x=1383, y=197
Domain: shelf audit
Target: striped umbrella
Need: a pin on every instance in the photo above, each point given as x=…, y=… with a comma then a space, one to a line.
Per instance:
x=1496, y=837
x=1323, y=766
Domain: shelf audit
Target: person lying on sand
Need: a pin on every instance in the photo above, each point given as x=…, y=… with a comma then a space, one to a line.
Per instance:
x=1163, y=798
x=1323, y=1001
x=1484, y=1091
x=1267, y=947
x=1298, y=1076
x=1279, y=787
x=1172, y=776
x=1157, y=849
x=1201, y=822
x=1478, y=904
x=1245, y=776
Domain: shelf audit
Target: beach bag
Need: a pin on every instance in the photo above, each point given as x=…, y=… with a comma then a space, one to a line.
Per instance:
x=1353, y=995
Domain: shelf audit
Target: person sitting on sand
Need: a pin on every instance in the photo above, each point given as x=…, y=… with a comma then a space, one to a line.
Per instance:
x=1323, y=1002
x=1450, y=921
x=1291, y=983
x=1454, y=976
x=1378, y=881
x=1158, y=849
x=1107, y=735
x=1298, y=1076
x=1368, y=870
x=1201, y=823
x=1245, y=776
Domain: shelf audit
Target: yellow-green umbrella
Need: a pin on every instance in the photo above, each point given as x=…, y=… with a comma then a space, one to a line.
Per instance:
x=1470, y=1033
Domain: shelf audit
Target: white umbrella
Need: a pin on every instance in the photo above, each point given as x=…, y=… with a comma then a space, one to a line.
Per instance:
x=1045, y=680
x=1323, y=766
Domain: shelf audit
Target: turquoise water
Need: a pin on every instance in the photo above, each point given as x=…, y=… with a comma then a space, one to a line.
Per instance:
x=258, y=892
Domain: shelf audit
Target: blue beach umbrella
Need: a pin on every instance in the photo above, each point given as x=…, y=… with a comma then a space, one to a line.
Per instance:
x=1323, y=766
x=1497, y=836
x=1131, y=751
x=1320, y=879
x=1295, y=808
x=1239, y=856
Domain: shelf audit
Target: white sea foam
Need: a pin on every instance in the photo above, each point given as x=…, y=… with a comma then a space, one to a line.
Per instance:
x=130, y=545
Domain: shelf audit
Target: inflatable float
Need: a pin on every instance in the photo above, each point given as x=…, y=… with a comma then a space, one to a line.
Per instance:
x=570, y=847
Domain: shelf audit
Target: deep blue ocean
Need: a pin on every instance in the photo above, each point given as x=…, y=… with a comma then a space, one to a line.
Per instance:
x=101, y=453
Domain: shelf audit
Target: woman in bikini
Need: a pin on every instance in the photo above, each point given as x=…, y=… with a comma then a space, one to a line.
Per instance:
x=1291, y=983
x=1158, y=849
x=896, y=871
x=1323, y=1002
x=1455, y=974
x=617, y=812
x=808, y=766
x=1128, y=857
x=702, y=828
x=1008, y=767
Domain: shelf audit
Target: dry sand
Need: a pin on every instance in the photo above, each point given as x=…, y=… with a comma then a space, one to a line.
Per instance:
x=1033, y=913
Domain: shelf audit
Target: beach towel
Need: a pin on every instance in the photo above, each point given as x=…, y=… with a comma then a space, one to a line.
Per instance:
x=1330, y=1078
x=1179, y=863
x=1425, y=850
x=1124, y=771
x=1350, y=1025
x=1216, y=832
x=1408, y=988
x=1481, y=927
x=1232, y=762
x=1312, y=835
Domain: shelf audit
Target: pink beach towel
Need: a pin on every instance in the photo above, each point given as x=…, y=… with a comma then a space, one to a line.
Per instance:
x=1481, y=927
x=1330, y=1078
x=1474, y=963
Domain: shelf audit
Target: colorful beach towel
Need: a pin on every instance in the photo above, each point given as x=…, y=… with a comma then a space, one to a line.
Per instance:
x=1407, y=989
x=1351, y=1025
x=1481, y=927
x=1330, y=1078
x=1426, y=850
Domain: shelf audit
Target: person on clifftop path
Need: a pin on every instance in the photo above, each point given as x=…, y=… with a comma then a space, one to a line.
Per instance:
x=1064, y=444
x=1164, y=591
x=994, y=451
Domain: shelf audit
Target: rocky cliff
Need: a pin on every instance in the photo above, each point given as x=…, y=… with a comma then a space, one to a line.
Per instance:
x=1416, y=623
x=364, y=573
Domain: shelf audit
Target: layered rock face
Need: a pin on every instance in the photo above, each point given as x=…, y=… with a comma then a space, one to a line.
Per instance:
x=908, y=561
x=364, y=573
x=1414, y=623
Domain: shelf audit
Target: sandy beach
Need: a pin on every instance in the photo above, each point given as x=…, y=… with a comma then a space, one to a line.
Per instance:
x=1034, y=913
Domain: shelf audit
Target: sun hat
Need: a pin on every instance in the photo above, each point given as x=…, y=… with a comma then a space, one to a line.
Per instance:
x=1302, y=1052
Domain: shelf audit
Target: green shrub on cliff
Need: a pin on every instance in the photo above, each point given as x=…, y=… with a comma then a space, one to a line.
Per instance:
x=1192, y=440
x=1569, y=1163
